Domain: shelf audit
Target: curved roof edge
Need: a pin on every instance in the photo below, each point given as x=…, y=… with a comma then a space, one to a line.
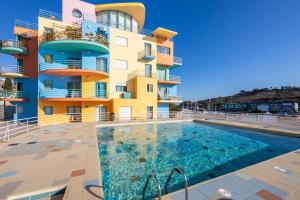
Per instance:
x=135, y=9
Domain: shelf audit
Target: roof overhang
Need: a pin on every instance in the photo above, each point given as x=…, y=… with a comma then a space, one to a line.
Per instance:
x=136, y=10
x=165, y=33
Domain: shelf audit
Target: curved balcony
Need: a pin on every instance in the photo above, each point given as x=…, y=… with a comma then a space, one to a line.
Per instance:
x=171, y=80
x=72, y=40
x=12, y=47
x=72, y=95
x=146, y=54
x=13, y=96
x=73, y=68
x=12, y=71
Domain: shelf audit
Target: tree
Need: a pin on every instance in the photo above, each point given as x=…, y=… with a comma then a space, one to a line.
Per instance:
x=8, y=85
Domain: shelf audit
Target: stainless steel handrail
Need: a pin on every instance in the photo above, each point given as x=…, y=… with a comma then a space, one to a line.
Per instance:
x=180, y=171
x=152, y=175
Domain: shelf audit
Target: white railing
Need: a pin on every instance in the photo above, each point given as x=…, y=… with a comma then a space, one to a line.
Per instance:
x=12, y=44
x=170, y=97
x=253, y=118
x=27, y=25
x=50, y=15
x=142, y=73
x=177, y=60
x=173, y=78
x=11, y=69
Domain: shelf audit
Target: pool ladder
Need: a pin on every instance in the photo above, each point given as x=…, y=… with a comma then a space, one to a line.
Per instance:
x=175, y=169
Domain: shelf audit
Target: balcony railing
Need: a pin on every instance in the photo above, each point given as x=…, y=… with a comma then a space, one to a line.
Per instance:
x=72, y=93
x=11, y=94
x=50, y=15
x=12, y=44
x=27, y=25
x=141, y=73
x=172, y=78
x=101, y=94
x=177, y=60
x=11, y=69
x=72, y=64
x=170, y=97
x=146, y=54
x=71, y=34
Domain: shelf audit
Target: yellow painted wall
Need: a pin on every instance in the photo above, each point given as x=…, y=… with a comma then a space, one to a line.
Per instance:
x=88, y=85
x=44, y=22
x=136, y=44
x=89, y=110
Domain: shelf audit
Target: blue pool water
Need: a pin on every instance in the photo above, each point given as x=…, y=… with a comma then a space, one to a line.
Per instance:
x=128, y=154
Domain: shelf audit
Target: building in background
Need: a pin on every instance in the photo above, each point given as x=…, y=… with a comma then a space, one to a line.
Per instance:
x=94, y=62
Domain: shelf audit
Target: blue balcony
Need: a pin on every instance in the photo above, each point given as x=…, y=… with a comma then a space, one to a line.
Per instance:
x=73, y=39
x=74, y=68
x=12, y=47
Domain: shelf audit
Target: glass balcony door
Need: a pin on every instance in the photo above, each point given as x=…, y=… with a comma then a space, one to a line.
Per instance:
x=101, y=90
x=74, y=89
x=148, y=70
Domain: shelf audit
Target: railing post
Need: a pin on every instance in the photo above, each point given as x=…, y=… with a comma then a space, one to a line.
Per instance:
x=7, y=131
x=258, y=120
x=27, y=125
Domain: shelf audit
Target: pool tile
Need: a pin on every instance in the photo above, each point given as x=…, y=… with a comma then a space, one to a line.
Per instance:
x=267, y=195
x=254, y=197
x=277, y=191
x=8, y=174
x=31, y=142
x=40, y=196
x=256, y=185
x=294, y=179
x=78, y=173
x=243, y=176
x=3, y=162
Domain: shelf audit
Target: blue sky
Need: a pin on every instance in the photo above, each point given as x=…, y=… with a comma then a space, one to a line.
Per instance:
x=227, y=45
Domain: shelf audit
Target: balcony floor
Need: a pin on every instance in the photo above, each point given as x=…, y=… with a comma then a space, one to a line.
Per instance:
x=75, y=45
x=12, y=50
x=79, y=99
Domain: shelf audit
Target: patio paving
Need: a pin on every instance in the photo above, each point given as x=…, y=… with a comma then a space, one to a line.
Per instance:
x=274, y=179
x=51, y=157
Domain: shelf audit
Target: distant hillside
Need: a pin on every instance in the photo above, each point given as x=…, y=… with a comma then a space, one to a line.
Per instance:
x=264, y=95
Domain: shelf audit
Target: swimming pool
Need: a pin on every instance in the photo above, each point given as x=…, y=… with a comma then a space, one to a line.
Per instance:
x=128, y=154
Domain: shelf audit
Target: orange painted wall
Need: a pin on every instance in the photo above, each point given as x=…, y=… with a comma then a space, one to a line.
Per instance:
x=30, y=61
x=164, y=59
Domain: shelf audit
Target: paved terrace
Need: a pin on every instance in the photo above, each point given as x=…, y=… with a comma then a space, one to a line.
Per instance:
x=61, y=156
x=51, y=158
x=274, y=179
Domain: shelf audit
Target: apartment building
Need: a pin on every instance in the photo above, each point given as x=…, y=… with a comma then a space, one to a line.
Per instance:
x=92, y=62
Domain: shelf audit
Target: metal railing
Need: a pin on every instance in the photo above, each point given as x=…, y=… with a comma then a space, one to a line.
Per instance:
x=12, y=44
x=101, y=94
x=170, y=97
x=72, y=64
x=172, y=78
x=181, y=172
x=27, y=25
x=146, y=54
x=141, y=73
x=72, y=93
x=177, y=60
x=50, y=15
x=5, y=94
x=11, y=69
x=73, y=35
x=152, y=175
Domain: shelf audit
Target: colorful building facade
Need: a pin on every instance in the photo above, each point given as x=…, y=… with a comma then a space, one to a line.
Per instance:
x=96, y=62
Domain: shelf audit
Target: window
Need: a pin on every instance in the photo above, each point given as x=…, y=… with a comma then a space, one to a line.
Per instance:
x=48, y=84
x=101, y=64
x=121, y=88
x=48, y=110
x=164, y=50
x=120, y=41
x=48, y=58
x=19, y=109
x=149, y=88
x=148, y=70
x=121, y=64
x=20, y=62
x=76, y=13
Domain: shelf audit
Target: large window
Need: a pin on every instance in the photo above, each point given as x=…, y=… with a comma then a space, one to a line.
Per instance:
x=149, y=88
x=48, y=110
x=117, y=19
x=164, y=50
x=48, y=84
x=120, y=41
x=121, y=64
x=121, y=88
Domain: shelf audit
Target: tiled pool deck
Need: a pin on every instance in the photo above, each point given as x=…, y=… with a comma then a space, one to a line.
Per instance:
x=67, y=155
x=275, y=179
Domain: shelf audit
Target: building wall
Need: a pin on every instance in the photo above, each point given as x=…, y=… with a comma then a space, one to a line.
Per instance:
x=164, y=59
x=84, y=7
x=136, y=44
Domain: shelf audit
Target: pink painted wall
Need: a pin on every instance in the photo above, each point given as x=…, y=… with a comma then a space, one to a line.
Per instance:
x=85, y=8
